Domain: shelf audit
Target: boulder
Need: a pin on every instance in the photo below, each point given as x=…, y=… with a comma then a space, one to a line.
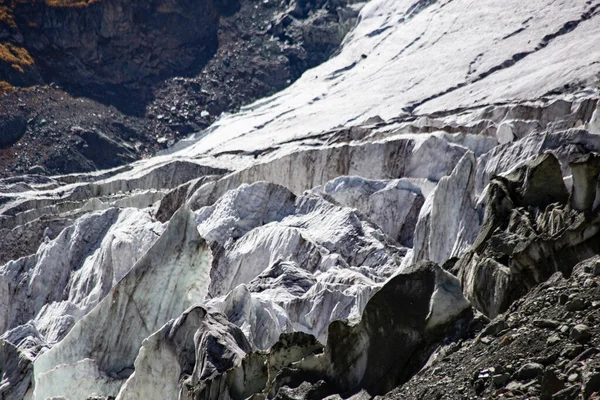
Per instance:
x=12, y=128
x=529, y=371
x=580, y=333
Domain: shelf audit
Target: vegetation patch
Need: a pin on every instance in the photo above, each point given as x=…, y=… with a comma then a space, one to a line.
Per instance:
x=70, y=3
x=6, y=15
x=6, y=87
x=17, y=57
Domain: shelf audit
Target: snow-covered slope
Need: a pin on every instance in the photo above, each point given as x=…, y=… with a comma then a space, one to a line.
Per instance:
x=202, y=273
x=423, y=57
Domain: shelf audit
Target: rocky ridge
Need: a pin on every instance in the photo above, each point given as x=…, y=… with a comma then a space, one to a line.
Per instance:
x=349, y=261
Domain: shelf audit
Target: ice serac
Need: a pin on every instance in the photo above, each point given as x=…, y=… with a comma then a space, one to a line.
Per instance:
x=47, y=292
x=449, y=220
x=390, y=343
x=372, y=353
x=594, y=124
x=424, y=157
x=187, y=351
x=392, y=205
x=285, y=263
x=585, y=172
x=170, y=277
x=241, y=210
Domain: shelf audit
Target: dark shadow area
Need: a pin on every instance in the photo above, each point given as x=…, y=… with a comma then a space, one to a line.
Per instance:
x=111, y=51
x=131, y=98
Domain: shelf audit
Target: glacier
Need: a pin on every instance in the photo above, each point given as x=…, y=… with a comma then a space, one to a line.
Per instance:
x=271, y=246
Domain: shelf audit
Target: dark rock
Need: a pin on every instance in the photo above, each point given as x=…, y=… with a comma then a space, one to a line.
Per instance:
x=478, y=323
x=390, y=343
x=569, y=393
x=571, y=351
x=550, y=385
x=12, y=128
x=500, y=379
x=479, y=386
x=591, y=383
x=529, y=233
x=16, y=371
x=102, y=150
x=539, y=183
x=596, y=269
x=495, y=327
x=552, y=340
x=586, y=354
x=580, y=333
x=547, y=359
x=102, y=42
x=546, y=323
x=576, y=304
x=529, y=371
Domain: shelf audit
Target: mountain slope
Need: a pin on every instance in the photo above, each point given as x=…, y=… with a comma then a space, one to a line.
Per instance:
x=88, y=86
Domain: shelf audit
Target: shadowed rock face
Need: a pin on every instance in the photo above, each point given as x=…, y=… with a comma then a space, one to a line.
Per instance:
x=15, y=370
x=12, y=127
x=116, y=42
